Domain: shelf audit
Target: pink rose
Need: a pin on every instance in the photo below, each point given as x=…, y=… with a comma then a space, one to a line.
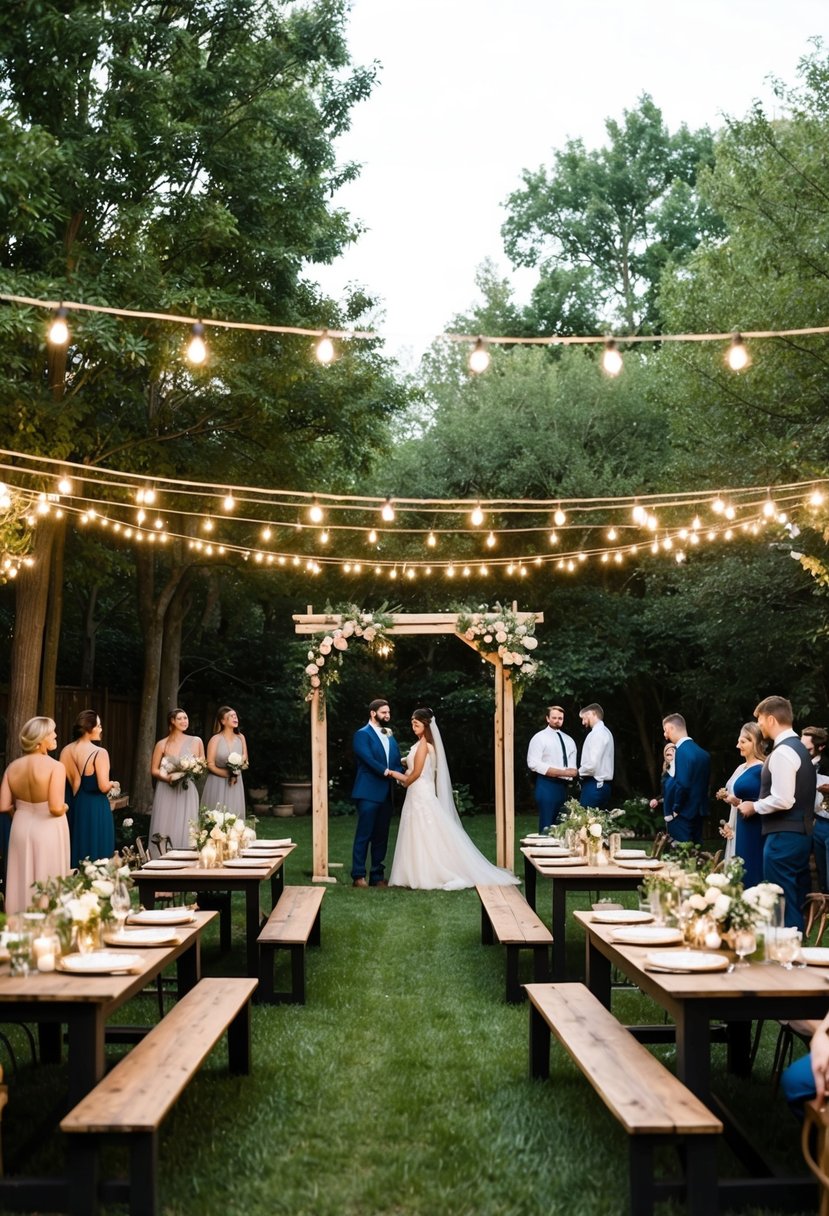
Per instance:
x=340, y=644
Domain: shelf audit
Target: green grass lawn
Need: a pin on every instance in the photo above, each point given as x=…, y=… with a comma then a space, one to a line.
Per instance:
x=401, y=1087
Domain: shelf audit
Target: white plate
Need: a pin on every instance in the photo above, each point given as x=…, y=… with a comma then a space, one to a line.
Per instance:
x=270, y=844
x=537, y=838
x=160, y=936
x=161, y=916
x=648, y=935
x=563, y=861
x=544, y=850
x=688, y=961
x=180, y=855
x=647, y=863
x=627, y=854
x=816, y=956
x=248, y=863
x=100, y=962
x=260, y=853
x=161, y=863
x=623, y=916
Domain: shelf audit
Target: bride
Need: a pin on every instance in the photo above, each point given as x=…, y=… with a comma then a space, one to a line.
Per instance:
x=433, y=851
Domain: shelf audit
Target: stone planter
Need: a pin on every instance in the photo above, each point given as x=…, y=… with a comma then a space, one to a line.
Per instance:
x=298, y=793
x=258, y=795
x=284, y=810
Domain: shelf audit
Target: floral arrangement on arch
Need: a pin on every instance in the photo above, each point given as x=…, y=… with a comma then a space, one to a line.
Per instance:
x=500, y=631
x=325, y=654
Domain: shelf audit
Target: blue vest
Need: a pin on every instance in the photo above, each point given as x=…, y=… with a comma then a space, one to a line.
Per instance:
x=800, y=816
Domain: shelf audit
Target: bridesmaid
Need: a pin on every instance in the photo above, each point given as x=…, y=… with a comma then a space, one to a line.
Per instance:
x=174, y=807
x=32, y=793
x=92, y=830
x=744, y=786
x=224, y=789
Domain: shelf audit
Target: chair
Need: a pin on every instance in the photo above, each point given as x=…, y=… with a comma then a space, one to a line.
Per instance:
x=659, y=842
x=814, y=1137
x=816, y=912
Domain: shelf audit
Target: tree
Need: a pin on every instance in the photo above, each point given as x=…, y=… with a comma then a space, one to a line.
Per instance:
x=603, y=224
x=177, y=158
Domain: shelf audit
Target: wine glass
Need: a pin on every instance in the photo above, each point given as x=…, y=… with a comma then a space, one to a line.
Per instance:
x=745, y=942
x=120, y=901
x=787, y=947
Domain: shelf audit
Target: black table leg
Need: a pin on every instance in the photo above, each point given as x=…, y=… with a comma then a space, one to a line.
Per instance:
x=693, y=1049
x=597, y=968
x=559, y=928
x=530, y=875
x=252, y=924
x=86, y=1051
x=188, y=967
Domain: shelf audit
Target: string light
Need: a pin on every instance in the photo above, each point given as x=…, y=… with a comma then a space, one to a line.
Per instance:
x=477, y=516
x=554, y=538
x=58, y=334
x=737, y=357
x=197, y=347
x=64, y=486
x=387, y=512
x=490, y=541
x=315, y=513
x=479, y=357
x=559, y=519
x=430, y=540
x=324, y=350
x=769, y=508
x=816, y=498
x=611, y=359
x=229, y=501
x=372, y=537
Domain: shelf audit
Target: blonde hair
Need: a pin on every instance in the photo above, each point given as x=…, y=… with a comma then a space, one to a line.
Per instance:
x=34, y=732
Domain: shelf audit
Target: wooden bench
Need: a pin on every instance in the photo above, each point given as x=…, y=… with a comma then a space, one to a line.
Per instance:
x=648, y=1100
x=132, y=1100
x=506, y=914
x=292, y=925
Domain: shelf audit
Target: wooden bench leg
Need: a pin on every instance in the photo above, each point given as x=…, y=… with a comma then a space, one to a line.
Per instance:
x=486, y=928
x=641, y=1175
x=315, y=938
x=238, y=1041
x=84, y=1173
x=514, y=994
x=298, y=975
x=144, y=1174
x=701, y=1175
x=267, y=960
x=539, y=1045
x=541, y=964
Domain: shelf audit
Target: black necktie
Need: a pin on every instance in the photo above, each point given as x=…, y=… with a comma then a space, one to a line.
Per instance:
x=563, y=749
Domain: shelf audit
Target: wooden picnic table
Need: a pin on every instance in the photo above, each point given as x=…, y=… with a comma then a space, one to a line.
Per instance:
x=84, y=1003
x=564, y=880
x=223, y=878
x=697, y=1002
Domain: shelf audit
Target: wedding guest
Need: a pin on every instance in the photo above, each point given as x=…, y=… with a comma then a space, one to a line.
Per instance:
x=689, y=790
x=744, y=836
x=786, y=805
x=808, y=1077
x=91, y=828
x=814, y=739
x=551, y=757
x=596, y=767
x=223, y=787
x=32, y=792
x=668, y=752
x=176, y=798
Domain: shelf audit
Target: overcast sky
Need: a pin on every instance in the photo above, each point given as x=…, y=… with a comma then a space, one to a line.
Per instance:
x=471, y=92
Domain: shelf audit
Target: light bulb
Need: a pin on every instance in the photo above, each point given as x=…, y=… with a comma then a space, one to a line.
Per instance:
x=479, y=357
x=229, y=502
x=490, y=541
x=729, y=512
x=612, y=534
x=208, y=525
x=266, y=533
x=554, y=538
x=639, y=514
x=611, y=359
x=149, y=497
x=718, y=506
x=196, y=347
x=315, y=513
x=769, y=508
x=559, y=519
x=477, y=516
x=387, y=512
x=323, y=537
x=58, y=333
x=430, y=540
x=325, y=350
x=64, y=486
x=372, y=537
x=816, y=498
x=737, y=357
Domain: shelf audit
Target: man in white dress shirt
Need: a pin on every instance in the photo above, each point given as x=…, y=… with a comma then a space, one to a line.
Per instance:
x=596, y=768
x=552, y=757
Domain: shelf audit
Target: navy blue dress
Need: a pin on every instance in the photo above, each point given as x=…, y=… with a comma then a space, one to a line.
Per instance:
x=748, y=842
x=93, y=829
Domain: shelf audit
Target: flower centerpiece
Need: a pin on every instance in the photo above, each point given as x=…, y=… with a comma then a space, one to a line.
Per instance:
x=183, y=769
x=590, y=825
x=218, y=834
x=324, y=655
x=500, y=631
x=79, y=904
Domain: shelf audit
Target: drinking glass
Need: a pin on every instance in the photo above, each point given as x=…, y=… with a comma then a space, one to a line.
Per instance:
x=745, y=942
x=120, y=902
x=787, y=947
x=19, y=945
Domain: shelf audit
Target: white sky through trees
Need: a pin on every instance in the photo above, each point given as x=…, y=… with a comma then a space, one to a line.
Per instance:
x=471, y=92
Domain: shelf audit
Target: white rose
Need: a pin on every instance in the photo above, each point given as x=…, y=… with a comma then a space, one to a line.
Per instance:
x=311, y=655
x=127, y=823
x=348, y=629
x=698, y=902
x=500, y=636
x=315, y=681
x=368, y=617
x=370, y=634
x=234, y=758
x=717, y=880
x=721, y=905
x=487, y=637
x=103, y=887
x=711, y=894
x=530, y=643
x=325, y=646
x=595, y=829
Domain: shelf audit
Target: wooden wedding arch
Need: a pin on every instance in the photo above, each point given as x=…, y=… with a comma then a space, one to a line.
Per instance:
x=417, y=623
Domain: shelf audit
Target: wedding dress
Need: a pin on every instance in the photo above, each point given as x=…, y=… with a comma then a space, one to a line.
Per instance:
x=433, y=852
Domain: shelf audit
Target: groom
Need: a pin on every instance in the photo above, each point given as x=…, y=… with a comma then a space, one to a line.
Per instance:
x=376, y=754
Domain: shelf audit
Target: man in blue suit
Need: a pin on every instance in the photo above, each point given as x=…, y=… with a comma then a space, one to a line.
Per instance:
x=689, y=788
x=376, y=754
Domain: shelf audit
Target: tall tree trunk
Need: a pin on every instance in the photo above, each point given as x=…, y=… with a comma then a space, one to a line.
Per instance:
x=53, y=622
x=90, y=637
x=32, y=591
x=152, y=609
x=170, y=679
